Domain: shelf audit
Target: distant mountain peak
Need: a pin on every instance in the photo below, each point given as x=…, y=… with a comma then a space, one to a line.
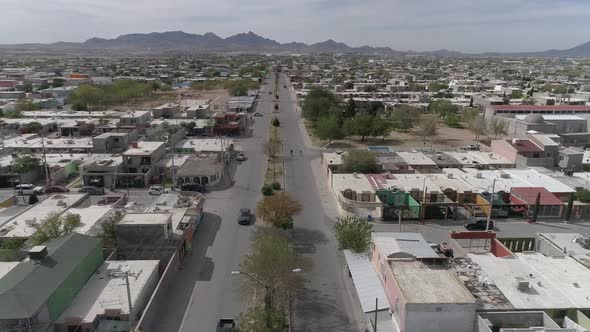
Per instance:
x=167, y=41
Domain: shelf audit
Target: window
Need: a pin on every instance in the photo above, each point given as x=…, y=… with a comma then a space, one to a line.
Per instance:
x=536, y=155
x=116, y=140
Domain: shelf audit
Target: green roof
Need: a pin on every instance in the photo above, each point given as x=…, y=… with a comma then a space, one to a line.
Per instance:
x=25, y=289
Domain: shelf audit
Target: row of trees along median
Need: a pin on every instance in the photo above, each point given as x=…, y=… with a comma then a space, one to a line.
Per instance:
x=332, y=118
x=271, y=266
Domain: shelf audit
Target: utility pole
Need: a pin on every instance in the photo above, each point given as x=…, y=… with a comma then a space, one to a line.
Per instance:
x=376, y=310
x=45, y=166
x=491, y=206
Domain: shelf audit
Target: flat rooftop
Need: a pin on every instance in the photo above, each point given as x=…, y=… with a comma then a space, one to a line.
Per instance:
x=416, y=158
x=204, y=144
x=103, y=292
x=358, y=183
x=145, y=219
x=423, y=284
x=90, y=217
x=201, y=164
x=367, y=283
x=143, y=148
x=26, y=223
x=391, y=244
x=5, y=267
x=506, y=272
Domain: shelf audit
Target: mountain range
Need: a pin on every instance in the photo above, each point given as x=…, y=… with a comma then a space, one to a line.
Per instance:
x=179, y=41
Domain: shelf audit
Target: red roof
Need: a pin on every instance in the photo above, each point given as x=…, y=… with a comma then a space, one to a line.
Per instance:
x=528, y=195
x=541, y=107
x=525, y=145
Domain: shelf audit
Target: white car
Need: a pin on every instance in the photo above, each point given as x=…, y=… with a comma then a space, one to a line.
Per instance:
x=241, y=157
x=28, y=189
x=157, y=190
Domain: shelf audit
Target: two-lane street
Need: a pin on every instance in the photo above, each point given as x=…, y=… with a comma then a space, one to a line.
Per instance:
x=327, y=301
x=204, y=290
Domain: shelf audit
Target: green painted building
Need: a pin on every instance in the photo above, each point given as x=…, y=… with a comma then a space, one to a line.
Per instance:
x=36, y=292
x=395, y=201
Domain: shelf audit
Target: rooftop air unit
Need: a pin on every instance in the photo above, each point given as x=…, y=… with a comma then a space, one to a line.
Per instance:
x=37, y=253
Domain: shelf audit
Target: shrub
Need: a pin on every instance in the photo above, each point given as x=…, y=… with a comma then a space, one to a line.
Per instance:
x=275, y=185
x=267, y=190
x=276, y=122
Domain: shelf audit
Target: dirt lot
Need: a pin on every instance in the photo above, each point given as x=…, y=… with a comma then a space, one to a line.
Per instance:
x=218, y=96
x=446, y=137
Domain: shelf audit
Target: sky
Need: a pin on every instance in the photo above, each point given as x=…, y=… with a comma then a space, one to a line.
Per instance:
x=420, y=25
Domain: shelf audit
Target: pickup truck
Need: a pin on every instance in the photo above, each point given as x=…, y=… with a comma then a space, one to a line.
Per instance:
x=226, y=325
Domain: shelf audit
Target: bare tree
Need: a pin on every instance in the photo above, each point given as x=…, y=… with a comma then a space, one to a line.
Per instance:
x=498, y=127
x=478, y=126
x=428, y=126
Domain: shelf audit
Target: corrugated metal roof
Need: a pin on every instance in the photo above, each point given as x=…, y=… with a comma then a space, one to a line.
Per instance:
x=413, y=244
x=27, y=286
x=367, y=283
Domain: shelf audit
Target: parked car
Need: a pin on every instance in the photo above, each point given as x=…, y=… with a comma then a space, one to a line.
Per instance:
x=241, y=156
x=479, y=225
x=28, y=189
x=157, y=190
x=244, y=217
x=257, y=114
x=90, y=190
x=194, y=187
x=56, y=189
x=226, y=325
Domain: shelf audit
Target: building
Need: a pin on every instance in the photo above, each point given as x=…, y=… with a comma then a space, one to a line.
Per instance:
x=140, y=162
x=413, y=277
x=203, y=169
x=38, y=290
x=550, y=206
x=104, y=297
x=513, y=110
x=113, y=142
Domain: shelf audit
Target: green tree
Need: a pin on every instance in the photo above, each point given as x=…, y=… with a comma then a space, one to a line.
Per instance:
x=452, y=121
x=516, y=94
x=350, y=110
x=354, y=234
x=271, y=261
x=361, y=161
x=405, y=117
x=443, y=107
x=428, y=126
x=348, y=85
x=25, y=163
x=108, y=229
x=529, y=101
x=25, y=105
x=33, y=127
x=469, y=114
x=498, y=127
x=27, y=87
x=55, y=226
x=57, y=82
x=582, y=195
x=319, y=102
x=327, y=127
x=276, y=122
x=436, y=86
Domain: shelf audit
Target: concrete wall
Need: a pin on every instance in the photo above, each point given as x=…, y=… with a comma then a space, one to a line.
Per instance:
x=499, y=250
x=146, y=294
x=440, y=317
x=535, y=162
x=150, y=312
x=392, y=289
x=547, y=248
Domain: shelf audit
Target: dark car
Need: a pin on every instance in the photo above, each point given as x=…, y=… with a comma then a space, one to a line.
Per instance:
x=244, y=217
x=193, y=187
x=226, y=325
x=90, y=190
x=56, y=189
x=479, y=225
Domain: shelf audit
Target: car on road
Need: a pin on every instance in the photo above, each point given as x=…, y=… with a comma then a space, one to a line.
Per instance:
x=241, y=156
x=156, y=190
x=479, y=225
x=56, y=189
x=91, y=190
x=226, y=325
x=28, y=189
x=193, y=187
x=244, y=217
x=257, y=114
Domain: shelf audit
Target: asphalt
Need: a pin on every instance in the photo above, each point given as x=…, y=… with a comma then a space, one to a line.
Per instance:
x=327, y=301
x=205, y=290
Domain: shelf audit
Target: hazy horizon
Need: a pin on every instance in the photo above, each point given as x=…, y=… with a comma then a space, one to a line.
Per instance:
x=421, y=25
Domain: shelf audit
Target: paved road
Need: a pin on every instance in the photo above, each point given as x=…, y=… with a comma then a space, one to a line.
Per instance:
x=204, y=290
x=327, y=303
